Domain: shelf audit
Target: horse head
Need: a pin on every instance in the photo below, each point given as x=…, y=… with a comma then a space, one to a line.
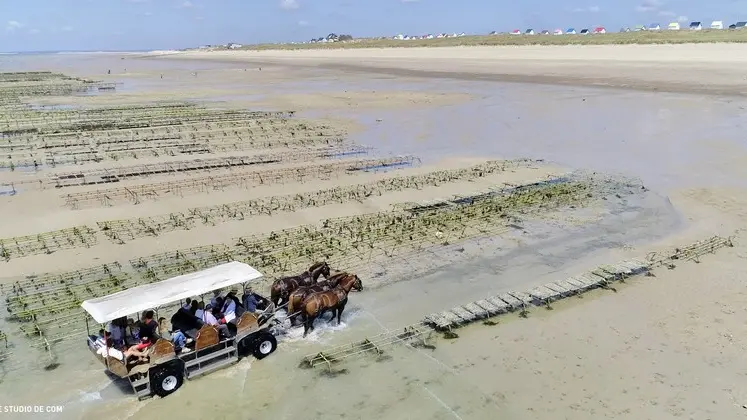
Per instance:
x=358, y=284
x=319, y=268
x=351, y=281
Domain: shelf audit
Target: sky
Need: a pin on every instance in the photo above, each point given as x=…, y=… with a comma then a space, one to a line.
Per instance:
x=129, y=25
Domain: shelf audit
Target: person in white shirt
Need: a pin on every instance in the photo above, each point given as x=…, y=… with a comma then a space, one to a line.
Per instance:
x=229, y=307
x=116, y=333
x=206, y=315
x=208, y=318
x=107, y=349
x=99, y=340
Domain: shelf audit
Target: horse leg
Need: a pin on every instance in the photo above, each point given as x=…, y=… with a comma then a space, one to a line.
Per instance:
x=339, y=312
x=308, y=325
x=275, y=298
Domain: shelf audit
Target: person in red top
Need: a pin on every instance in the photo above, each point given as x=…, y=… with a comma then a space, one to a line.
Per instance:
x=139, y=350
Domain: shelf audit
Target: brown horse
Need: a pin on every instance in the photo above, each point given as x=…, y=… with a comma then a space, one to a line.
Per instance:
x=296, y=297
x=282, y=288
x=333, y=300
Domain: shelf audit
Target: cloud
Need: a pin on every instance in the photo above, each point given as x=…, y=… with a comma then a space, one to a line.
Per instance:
x=67, y=29
x=303, y=23
x=590, y=9
x=187, y=4
x=682, y=18
x=410, y=1
x=138, y=1
x=649, y=6
x=33, y=31
x=289, y=4
x=148, y=14
x=13, y=25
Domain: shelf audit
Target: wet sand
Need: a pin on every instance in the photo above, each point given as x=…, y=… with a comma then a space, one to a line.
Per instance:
x=645, y=352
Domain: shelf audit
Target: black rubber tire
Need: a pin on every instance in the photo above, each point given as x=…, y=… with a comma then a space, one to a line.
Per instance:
x=245, y=346
x=165, y=381
x=264, y=344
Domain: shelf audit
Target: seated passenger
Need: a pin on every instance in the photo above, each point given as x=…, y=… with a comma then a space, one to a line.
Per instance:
x=232, y=308
x=108, y=350
x=148, y=326
x=253, y=302
x=99, y=340
x=214, y=299
x=210, y=319
x=187, y=304
x=139, y=350
x=200, y=310
x=117, y=330
x=134, y=334
x=176, y=336
x=186, y=322
x=250, y=301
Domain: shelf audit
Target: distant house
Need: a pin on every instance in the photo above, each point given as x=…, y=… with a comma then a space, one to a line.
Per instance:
x=233, y=46
x=600, y=30
x=545, y=32
x=674, y=26
x=639, y=28
x=492, y=33
x=584, y=31
x=696, y=26
x=516, y=32
x=741, y=25
x=717, y=24
x=733, y=26
x=529, y=32
x=558, y=32
x=570, y=31
x=654, y=27
x=624, y=29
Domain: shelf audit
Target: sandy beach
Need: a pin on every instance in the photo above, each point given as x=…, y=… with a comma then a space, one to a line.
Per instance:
x=694, y=68
x=666, y=119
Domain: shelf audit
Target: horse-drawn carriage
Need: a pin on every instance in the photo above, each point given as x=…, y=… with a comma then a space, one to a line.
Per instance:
x=161, y=368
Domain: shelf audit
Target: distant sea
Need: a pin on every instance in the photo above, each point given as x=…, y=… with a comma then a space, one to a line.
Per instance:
x=71, y=52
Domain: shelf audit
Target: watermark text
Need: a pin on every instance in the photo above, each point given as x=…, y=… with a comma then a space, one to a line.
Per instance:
x=30, y=409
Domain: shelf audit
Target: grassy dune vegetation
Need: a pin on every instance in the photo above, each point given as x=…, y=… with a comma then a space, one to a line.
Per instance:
x=644, y=37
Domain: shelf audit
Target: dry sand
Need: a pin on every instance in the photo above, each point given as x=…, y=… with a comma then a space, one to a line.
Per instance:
x=715, y=68
x=660, y=348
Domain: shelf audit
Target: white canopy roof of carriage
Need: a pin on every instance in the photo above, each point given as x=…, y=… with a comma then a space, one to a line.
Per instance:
x=154, y=295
